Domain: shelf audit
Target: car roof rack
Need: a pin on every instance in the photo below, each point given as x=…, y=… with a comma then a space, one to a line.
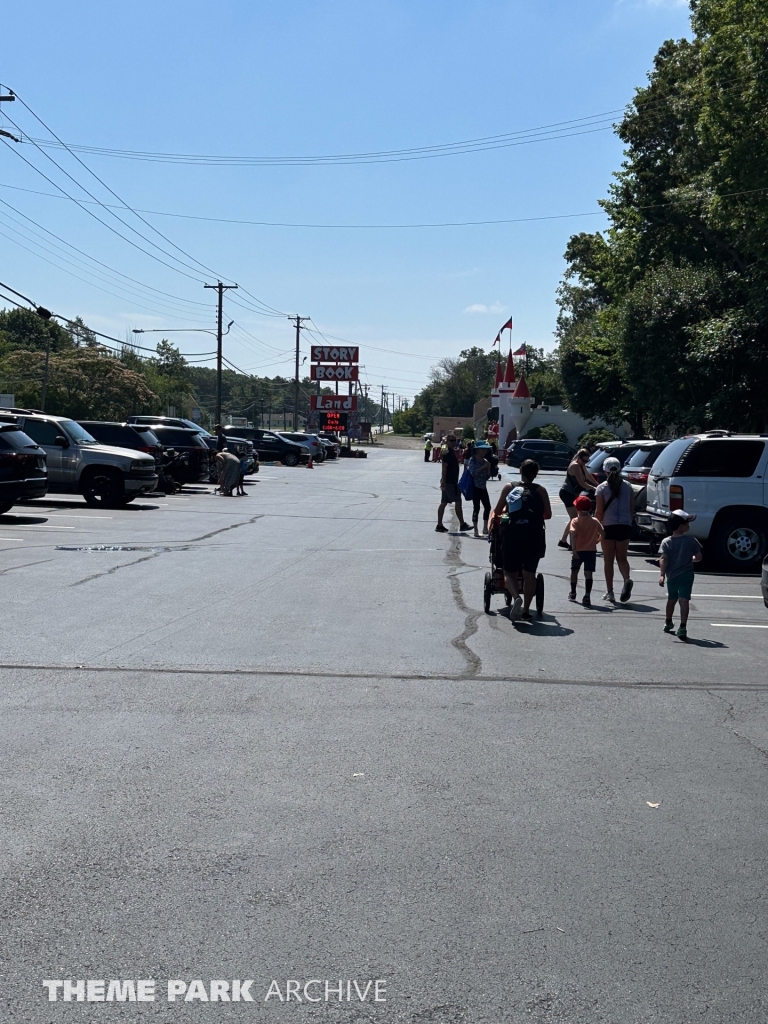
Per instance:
x=717, y=433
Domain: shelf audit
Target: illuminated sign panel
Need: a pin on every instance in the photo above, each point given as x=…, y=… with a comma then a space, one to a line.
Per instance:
x=336, y=422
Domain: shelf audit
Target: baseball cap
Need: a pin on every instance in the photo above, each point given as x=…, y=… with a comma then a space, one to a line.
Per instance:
x=610, y=464
x=679, y=513
x=582, y=503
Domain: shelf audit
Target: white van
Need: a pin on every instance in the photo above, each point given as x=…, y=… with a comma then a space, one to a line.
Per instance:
x=721, y=478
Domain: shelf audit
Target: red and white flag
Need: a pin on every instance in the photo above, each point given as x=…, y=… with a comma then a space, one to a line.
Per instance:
x=507, y=325
x=497, y=340
x=522, y=351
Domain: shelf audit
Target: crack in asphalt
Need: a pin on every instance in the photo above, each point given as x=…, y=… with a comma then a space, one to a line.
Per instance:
x=223, y=529
x=731, y=717
x=454, y=560
x=137, y=561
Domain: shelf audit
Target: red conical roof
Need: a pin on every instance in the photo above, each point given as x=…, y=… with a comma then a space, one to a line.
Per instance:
x=521, y=391
x=509, y=376
x=499, y=376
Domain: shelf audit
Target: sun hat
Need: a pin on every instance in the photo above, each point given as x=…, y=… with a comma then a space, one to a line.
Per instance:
x=482, y=444
x=686, y=517
x=582, y=503
x=610, y=464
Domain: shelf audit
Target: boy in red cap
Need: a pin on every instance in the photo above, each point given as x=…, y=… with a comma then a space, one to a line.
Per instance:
x=585, y=532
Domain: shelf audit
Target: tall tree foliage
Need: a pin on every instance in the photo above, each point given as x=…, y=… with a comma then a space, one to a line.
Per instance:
x=664, y=318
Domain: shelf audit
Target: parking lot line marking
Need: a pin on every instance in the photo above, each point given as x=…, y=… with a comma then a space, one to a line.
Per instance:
x=735, y=597
x=65, y=515
x=19, y=540
x=736, y=625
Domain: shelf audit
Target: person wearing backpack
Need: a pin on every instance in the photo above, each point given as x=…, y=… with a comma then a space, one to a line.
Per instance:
x=523, y=539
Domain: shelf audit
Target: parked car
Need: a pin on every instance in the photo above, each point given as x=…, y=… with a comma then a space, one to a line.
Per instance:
x=721, y=478
x=238, y=446
x=79, y=464
x=548, y=454
x=270, y=447
x=126, y=435
x=236, y=443
x=638, y=466
x=331, y=450
x=23, y=473
x=197, y=466
x=621, y=450
x=310, y=442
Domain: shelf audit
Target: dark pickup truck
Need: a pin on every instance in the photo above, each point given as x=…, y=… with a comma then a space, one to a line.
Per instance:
x=270, y=446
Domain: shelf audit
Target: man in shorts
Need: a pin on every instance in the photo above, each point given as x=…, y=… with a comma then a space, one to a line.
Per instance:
x=449, y=486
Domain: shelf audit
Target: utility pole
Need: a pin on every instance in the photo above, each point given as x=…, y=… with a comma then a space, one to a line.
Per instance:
x=220, y=288
x=298, y=320
x=382, y=410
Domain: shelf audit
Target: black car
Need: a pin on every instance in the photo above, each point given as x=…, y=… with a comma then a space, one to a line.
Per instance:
x=237, y=443
x=126, y=435
x=548, y=454
x=270, y=447
x=23, y=472
x=197, y=466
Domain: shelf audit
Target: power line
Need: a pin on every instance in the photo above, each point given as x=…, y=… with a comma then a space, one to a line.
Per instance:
x=560, y=129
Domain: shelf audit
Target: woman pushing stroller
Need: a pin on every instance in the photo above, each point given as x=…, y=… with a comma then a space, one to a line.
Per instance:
x=523, y=538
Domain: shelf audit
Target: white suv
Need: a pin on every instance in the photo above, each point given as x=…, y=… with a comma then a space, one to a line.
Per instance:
x=721, y=478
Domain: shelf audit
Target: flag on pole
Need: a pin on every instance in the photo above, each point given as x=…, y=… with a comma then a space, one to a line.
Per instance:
x=522, y=351
x=507, y=325
x=497, y=340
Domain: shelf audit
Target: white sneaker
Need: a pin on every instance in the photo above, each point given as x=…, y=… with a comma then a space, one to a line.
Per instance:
x=608, y=596
x=517, y=608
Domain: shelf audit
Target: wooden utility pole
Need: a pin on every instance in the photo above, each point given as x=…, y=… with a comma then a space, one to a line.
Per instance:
x=220, y=289
x=298, y=321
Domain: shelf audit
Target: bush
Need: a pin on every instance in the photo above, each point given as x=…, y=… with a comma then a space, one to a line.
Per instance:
x=549, y=432
x=468, y=433
x=593, y=438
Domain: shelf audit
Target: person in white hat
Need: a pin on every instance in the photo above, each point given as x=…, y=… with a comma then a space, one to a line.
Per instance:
x=678, y=555
x=615, y=508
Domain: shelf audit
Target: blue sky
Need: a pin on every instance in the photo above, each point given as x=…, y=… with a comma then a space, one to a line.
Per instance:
x=301, y=78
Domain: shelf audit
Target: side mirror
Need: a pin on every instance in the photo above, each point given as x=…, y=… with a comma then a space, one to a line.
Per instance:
x=61, y=441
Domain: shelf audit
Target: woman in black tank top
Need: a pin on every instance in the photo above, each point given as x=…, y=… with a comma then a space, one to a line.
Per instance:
x=577, y=480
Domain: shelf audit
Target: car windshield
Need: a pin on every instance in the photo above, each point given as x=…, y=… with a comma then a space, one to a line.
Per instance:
x=77, y=433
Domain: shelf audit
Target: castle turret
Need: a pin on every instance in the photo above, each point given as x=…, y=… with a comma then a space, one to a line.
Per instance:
x=520, y=405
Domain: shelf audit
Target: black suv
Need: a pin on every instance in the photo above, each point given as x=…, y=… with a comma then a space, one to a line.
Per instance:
x=197, y=466
x=270, y=447
x=238, y=443
x=126, y=435
x=23, y=472
x=549, y=454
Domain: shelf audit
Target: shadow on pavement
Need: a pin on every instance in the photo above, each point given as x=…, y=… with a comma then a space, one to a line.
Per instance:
x=693, y=641
x=9, y=520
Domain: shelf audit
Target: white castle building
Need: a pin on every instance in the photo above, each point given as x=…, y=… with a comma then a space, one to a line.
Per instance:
x=518, y=414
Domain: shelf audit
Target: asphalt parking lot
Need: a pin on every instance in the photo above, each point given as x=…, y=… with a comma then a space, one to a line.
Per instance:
x=277, y=737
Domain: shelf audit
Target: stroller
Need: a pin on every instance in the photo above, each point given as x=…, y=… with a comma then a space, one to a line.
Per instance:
x=494, y=580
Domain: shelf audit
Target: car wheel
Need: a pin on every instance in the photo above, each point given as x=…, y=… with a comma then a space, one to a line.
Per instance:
x=5, y=506
x=740, y=543
x=104, y=487
x=290, y=460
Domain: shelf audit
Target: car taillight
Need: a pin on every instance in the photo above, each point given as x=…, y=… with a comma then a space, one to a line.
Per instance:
x=675, y=497
x=8, y=457
x=636, y=477
x=145, y=448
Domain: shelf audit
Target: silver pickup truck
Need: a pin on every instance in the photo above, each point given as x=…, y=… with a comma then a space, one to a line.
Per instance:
x=78, y=464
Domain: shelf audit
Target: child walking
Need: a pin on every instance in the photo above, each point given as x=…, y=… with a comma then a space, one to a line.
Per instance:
x=678, y=554
x=585, y=532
